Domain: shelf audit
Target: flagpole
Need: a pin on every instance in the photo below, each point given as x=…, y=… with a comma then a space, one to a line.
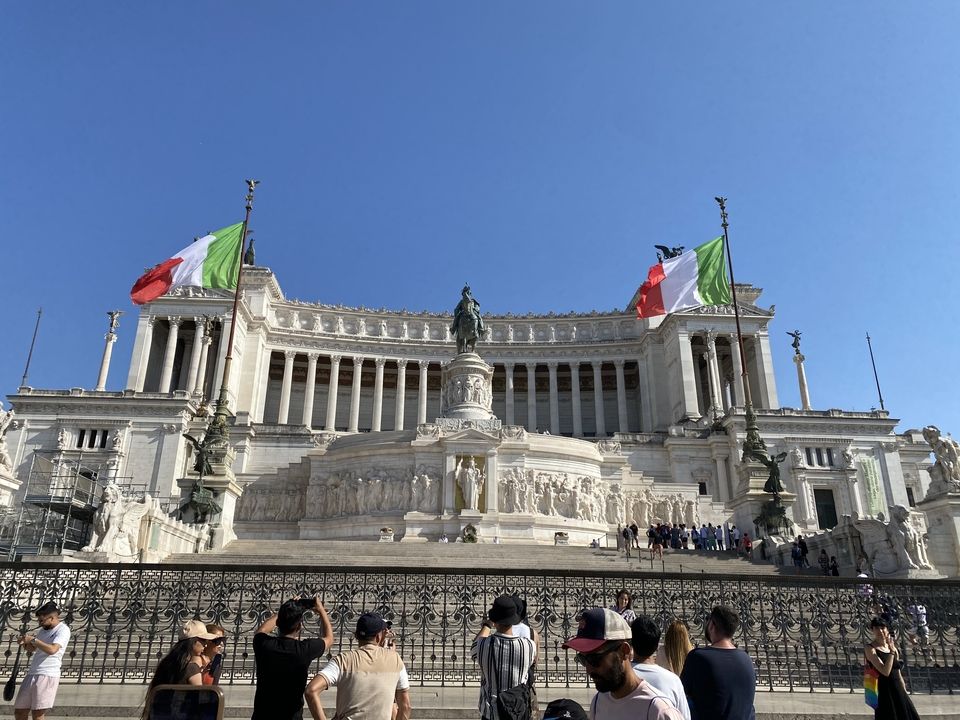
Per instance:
x=218, y=426
x=876, y=377
x=26, y=368
x=753, y=441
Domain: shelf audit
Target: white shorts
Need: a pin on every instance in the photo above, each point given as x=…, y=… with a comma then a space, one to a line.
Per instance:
x=37, y=692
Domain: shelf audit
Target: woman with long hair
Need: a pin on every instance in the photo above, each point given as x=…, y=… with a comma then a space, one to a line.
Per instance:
x=624, y=606
x=889, y=692
x=676, y=645
x=184, y=663
x=213, y=655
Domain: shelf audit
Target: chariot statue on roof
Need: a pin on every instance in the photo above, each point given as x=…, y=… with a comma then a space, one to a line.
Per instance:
x=467, y=325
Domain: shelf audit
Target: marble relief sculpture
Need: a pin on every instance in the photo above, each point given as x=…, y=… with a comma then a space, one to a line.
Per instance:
x=892, y=547
x=116, y=523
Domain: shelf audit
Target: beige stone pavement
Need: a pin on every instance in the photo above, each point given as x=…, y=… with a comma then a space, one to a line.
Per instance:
x=83, y=702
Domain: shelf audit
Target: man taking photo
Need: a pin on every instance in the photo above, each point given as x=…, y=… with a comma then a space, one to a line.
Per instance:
x=283, y=660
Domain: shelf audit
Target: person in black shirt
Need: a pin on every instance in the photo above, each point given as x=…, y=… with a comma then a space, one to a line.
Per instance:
x=283, y=660
x=719, y=679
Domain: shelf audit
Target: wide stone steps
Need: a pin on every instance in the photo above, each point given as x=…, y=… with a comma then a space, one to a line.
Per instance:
x=366, y=554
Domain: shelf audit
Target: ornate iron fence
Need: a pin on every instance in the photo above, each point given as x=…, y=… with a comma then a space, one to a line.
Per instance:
x=804, y=634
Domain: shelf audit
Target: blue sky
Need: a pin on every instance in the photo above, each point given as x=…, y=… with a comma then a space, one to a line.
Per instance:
x=537, y=150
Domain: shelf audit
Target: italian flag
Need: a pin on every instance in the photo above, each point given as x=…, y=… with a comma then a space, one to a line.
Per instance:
x=212, y=261
x=690, y=280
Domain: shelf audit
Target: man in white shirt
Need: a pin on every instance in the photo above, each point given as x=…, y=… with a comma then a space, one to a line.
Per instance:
x=39, y=688
x=646, y=639
x=735, y=538
x=603, y=648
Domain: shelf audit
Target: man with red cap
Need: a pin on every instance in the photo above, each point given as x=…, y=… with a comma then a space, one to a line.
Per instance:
x=603, y=648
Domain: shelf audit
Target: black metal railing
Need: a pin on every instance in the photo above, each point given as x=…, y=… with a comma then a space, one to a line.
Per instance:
x=804, y=634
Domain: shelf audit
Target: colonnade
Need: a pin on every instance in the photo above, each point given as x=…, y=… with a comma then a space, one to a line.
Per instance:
x=199, y=332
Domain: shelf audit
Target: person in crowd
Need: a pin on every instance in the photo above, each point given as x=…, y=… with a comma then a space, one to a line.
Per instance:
x=213, y=655
x=796, y=554
x=504, y=659
x=718, y=533
x=834, y=566
x=651, y=534
x=627, y=540
x=804, y=550
x=635, y=530
x=823, y=560
x=719, y=678
x=38, y=692
x=369, y=679
x=675, y=537
x=665, y=535
x=619, y=537
x=657, y=549
x=645, y=641
x=695, y=536
x=624, y=606
x=918, y=632
x=283, y=660
x=564, y=709
x=735, y=539
x=676, y=646
x=183, y=665
x=711, y=537
x=684, y=537
x=747, y=545
x=602, y=644
x=893, y=702
x=443, y=539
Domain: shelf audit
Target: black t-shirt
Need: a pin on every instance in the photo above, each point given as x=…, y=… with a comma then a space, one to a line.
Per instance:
x=720, y=684
x=282, y=667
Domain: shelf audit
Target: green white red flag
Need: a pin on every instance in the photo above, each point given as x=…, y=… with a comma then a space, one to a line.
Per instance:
x=212, y=261
x=695, y=278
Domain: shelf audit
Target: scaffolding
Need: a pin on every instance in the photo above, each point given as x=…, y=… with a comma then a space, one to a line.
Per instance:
x=60, y=497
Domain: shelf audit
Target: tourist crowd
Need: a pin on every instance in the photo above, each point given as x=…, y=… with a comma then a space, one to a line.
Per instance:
x=677, y=536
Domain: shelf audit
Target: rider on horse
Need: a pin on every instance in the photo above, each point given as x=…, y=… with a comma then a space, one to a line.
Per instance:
x=467, y=325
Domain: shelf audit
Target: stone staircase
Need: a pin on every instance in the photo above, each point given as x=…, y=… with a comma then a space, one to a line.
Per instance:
x=369, y=554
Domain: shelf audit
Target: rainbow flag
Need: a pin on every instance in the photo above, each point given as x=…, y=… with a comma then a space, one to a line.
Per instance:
x=871, y=682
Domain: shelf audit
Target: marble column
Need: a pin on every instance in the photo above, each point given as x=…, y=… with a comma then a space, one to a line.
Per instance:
x=575, y=399
x=144, y=353
x=738, y=394
x=401, y=395
x=424, y=366
x=195, y=350
x=768, y=384
x=288, y=358
x=511, y=414
x=110, y=339
x=167, y=372
x=200, y=385
x=710, y=405
x=647, y=398
x=688, y=376
x=378, y=393
x=723, y=486
x=532, y=397
x=221, y=355
x=713, y=366
x=621, y=396
x=309, y=389
x=802, y=380
x=554, y=398
x=601, y=425
x=333, y=388
x=355, y=395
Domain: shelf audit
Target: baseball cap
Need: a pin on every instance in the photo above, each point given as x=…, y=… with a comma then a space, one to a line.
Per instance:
x=564, y=709
x=195, y=629
x=598, y=626
x=369, y=624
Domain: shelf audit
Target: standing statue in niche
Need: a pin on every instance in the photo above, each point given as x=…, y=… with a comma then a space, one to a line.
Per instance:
x=467, y=325
x=470, y=479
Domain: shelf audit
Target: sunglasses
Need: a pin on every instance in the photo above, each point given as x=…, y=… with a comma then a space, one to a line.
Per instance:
x=595, y=658
x=218, y=641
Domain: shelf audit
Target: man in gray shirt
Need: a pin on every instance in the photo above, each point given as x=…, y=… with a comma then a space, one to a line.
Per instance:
x=645, y=641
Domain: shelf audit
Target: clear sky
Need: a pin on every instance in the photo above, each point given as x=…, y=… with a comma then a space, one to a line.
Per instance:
x=537, y=150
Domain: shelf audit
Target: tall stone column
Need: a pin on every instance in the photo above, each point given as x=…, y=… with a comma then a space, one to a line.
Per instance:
x=688, y=376
x=221, y=354
x=738, y=393
x=554, y=399
x=621, y=396
x=532, y=397
x=378, y=393
x=424, y=366
x=110, y=338
x=511, y=413
x=195, y=349
x=802, y=380
x=332, y=390
x=723, y=486
x=713, y=365
x=310, y=389
x=601, y=424
x=141, y=360
x=355, y=395
x=401, y=394
x=575, y=399
x=648, y=400
x=166, y=372
x=711, y=407
x=287, y=384
x=200, y=384
x=768, y=384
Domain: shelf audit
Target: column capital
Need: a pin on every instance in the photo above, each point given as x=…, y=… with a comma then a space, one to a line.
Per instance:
x=402, y=364
x=289, y=354
x=509, y=366
x=619, y=363
x=597, y=364
x=552, y=365
x=110, y=337
x=531, y=366
x=206, y=339
x=313, y=356
x=379, y=362
x=358, y=360
x=574, y=365
x=174, y=320
x=424, y=365
x=712, y=336
x=335, y=359
x=151, y=320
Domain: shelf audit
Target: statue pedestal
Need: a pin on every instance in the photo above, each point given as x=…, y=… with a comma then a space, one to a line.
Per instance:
x=226, y=492
x=751, y=501
x=467, y=394
x=943, y=528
